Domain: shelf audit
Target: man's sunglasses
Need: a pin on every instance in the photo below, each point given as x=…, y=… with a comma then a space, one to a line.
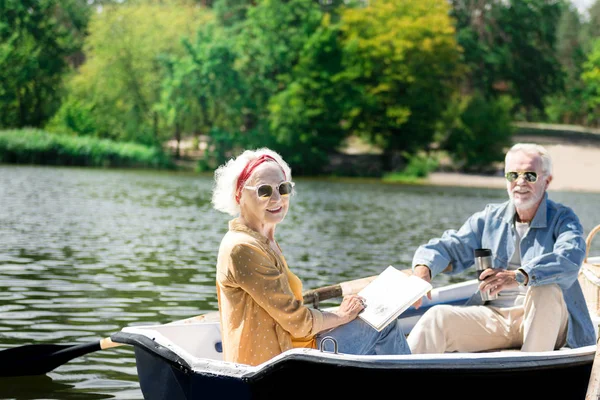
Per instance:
x=266, y=191
x=529, y=176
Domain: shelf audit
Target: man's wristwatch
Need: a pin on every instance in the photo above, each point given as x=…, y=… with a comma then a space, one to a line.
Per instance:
x=520, y=277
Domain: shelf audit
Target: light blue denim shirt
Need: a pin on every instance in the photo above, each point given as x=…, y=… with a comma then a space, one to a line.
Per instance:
x=552, y=251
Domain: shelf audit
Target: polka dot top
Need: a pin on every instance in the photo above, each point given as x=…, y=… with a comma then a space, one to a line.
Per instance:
x=260, y=300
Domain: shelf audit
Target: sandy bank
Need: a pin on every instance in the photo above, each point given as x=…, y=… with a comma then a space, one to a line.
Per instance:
x=576, y=167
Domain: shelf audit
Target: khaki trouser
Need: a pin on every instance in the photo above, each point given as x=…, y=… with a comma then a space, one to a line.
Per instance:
x=540, y=324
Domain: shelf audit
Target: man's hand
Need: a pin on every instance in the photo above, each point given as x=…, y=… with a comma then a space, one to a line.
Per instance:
x=496, y=280
x=423, y=272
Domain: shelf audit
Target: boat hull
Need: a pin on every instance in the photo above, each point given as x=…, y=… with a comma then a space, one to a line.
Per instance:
x=160, y=379
x=184, y=361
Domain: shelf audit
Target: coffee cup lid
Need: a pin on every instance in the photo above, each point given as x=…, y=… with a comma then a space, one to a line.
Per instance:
x=482, y=252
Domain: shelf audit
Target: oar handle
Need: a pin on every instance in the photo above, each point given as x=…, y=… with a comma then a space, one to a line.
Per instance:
x=107, y=343
x=313, y=296
x=337, y=290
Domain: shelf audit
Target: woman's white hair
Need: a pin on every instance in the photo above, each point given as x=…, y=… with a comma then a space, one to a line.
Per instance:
x=226, y=178
x=534, y=149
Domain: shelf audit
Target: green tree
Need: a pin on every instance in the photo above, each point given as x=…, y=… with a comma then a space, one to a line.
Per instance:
x=567, y=106
x=37, y=41
x=591, y=78
x=477, y=131
x=119, y=85
x=236, y=67
x=305, y=117
x=536, y=71
x=510, y=48
x=268, y=48
x=402, y=61
x=266, y=40
x=230, y=13
x=203, y=92
x=591, y=28
x=568, y=45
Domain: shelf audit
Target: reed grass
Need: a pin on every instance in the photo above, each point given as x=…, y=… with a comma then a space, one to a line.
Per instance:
x=34, y=146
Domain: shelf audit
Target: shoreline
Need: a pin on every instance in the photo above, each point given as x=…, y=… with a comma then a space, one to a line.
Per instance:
x=576, y=168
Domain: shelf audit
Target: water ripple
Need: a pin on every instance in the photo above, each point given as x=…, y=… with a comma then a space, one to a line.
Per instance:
x=85, y=252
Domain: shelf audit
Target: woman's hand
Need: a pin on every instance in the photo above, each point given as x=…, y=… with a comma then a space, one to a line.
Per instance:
x=351, y=306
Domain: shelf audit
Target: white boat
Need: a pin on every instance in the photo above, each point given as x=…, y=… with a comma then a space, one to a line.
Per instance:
x=183, y=360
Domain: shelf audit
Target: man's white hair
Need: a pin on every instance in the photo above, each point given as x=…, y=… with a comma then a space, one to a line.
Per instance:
x=226, y=178
x=534, y=149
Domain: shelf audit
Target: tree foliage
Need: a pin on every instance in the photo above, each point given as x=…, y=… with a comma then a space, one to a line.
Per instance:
x=299, y=76
x=590, y=31
x=37, y=40
x=568, y=105
x=577, y=34
x=478, y=130
x=203, y=93
x=268, y=47
x=306, y=116
x=116, y=90
x=591, y=77
x=510, y=48
x=402, y=61
x=281, y=51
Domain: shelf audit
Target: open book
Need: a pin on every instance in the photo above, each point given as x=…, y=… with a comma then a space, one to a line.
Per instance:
x=389, y=295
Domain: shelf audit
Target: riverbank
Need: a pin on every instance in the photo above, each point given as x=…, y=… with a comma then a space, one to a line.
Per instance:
x=576, y=167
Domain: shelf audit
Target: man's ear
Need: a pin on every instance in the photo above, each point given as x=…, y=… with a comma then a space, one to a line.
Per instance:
x=548, y=180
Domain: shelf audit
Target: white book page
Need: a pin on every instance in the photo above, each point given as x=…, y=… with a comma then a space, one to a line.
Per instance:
x=389, y=295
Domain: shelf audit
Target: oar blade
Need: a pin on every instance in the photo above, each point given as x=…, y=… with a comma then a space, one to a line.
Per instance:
x=39, y=359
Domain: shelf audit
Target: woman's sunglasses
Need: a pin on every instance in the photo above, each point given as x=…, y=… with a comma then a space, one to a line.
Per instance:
x=529, y=176
x=266, y=191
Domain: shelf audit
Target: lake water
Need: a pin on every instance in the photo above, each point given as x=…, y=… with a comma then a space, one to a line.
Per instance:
x=85, y=252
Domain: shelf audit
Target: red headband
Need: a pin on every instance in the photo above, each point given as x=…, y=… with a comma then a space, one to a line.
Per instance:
x=247, y=171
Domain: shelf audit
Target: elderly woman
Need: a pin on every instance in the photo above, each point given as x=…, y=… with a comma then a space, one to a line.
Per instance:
x=260, y=299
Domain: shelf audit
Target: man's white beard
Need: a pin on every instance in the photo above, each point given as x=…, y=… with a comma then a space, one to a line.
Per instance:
x=524, y=204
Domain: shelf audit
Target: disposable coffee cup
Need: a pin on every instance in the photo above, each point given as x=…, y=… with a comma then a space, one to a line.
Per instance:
x=483, y=261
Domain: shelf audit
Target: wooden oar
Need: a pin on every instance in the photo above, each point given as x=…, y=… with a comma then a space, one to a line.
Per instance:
x=591, y=297
x=314, y=296
x=593, y=390
x=38, y=359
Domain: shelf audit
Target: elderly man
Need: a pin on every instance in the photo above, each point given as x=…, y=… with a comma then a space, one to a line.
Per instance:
x=537, y=249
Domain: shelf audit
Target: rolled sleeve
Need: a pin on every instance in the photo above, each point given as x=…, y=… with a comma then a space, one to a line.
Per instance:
x=317, y=321
x=454, y=247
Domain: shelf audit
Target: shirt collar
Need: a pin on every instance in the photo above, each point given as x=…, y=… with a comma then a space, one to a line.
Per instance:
x=236, y=226
x=539, y=219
